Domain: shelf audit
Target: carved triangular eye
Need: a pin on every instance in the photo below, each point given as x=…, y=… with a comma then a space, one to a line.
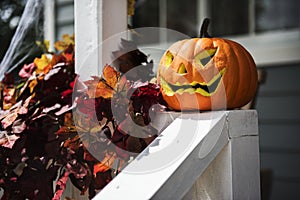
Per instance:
x=181, y=69
x=169, y=58
x=205, y=56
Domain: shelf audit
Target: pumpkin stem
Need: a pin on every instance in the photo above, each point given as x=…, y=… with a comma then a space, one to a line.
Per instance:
x=204, y=27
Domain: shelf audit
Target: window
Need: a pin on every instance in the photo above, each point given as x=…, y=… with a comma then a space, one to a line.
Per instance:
x=276, y=14
x=182, y=17
x=59, y=19
x=256, y=24
x=231, y=17
x=176, y=15
x=64, y=12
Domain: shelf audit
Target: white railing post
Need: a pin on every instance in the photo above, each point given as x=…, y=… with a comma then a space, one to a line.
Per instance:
x=95, y=22
x=234, y=173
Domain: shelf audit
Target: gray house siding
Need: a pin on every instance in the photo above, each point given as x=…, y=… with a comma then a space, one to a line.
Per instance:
x=279, y=129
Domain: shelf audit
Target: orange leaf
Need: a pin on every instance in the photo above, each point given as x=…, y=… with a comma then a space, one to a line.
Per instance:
x=41, y=63
x=111, y=76
x=73, y=143
x=105, y=164
x=64, y=44
x=32, y=85
x=103, y=90
x=103, y=87
x=66, y=130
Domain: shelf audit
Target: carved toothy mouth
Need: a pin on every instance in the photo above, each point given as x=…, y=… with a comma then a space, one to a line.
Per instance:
x=205, y=89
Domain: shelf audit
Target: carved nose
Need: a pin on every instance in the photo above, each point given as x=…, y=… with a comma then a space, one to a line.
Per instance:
x=181, y=69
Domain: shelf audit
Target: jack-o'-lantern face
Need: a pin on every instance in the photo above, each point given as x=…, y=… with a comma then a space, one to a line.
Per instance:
x=206, y=74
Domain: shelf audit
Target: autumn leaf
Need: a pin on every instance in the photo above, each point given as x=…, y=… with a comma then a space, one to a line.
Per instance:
x=27, y=70
x=65, y=130
x=131, y=61
x=61, y=185
x=123, y=85
x=55, y=59
x=106, y=163
x=102, y=179
x=9, y=97
x=66, y=41
x=73, y=143
x=103, y=90
x=18, y=126
x=47, y=44
x=111, y=76
x=8, y=140
x=103, y=87
x=41, y=63
x=9, y=119
x=69, y=57
x=68, y=119
x=32, y=85
x=99, y=88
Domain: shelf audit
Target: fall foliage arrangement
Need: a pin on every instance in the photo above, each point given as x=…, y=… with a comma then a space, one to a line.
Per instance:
x=55, y=127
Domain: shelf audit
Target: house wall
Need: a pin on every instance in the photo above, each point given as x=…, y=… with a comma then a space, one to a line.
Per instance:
x=279, y=129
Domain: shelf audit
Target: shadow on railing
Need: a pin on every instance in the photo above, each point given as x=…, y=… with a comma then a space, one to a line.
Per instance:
x=213, y=155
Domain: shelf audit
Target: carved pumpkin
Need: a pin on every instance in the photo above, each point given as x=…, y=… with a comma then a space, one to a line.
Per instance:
x=207, y=74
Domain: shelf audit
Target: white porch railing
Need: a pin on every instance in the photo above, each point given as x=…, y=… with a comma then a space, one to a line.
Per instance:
x=213, y=155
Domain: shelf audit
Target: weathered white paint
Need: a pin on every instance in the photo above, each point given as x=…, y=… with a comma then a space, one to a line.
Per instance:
x=49, y=23
x=87, y=35
x=221, y=161
x=99, y=25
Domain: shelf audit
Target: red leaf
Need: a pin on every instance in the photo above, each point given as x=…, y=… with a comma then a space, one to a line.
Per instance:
x=61, y=186
x=8, y=141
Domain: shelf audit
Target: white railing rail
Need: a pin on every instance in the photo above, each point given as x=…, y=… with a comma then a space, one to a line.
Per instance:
x=213, y=155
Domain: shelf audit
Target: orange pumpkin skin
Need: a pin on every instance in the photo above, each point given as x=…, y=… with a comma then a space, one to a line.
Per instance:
x=231, y=71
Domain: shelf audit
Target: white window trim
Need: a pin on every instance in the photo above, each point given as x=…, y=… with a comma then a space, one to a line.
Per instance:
x=272, y=48
x=49, y=22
